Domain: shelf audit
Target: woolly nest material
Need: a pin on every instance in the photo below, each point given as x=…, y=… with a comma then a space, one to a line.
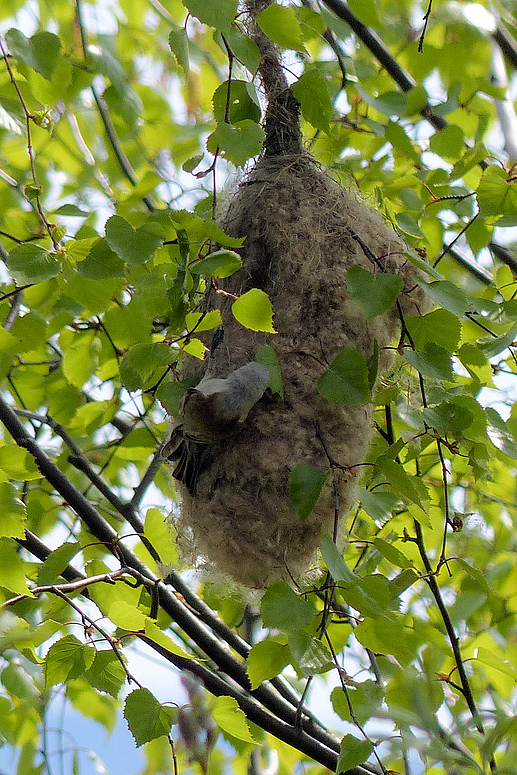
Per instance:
x=303, y=232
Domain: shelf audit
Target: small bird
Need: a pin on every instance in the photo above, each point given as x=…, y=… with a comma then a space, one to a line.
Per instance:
x=213, y=411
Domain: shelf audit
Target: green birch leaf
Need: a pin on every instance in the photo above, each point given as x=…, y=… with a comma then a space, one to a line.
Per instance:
x=221, y=263
x=409, y=488
x=13, y=512
x=67, y=659
x=254, y=311
x=30, y=263
x=281, y=25
x=446, y=295
x=158, y=530
x=266, y=660
x=237, y=142
x=389, y=636
x=12, y=568
x=101, y=262
x=440, y=326
x=40, y=52
x=379, y=505
x=230, y=718
x=241, y=104
x=268, y=358
x=106, y=673
x=346, y=381
x=216, y=13
x=146, y=718
x=392, y=553
x=127, y=616
x=401, y=143
x=373, y=294
x=135, y=246
x=145, y=363
x=353, y=752
x=305, y=485
x=433, y=361
x=448, y=418
x=313, y=657
x=312, y=92
x=335, y=563
x=178, y=43
x=157, y=635
x=283, y=609
x=448, y=142
x=243, y=48
x=365, y=699
x=18, y=464
x=366, y=11
x=487, y=657
x=497, y=196
x=57, y=561
x=494, y=346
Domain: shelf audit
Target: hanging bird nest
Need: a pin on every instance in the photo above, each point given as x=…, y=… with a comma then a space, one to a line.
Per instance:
x=302, y=234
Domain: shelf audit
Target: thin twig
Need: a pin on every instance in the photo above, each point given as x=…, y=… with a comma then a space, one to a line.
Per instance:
x=453, y=638
x=30, y=149
x=426, y=18
x=111, y=132
x=73, y=586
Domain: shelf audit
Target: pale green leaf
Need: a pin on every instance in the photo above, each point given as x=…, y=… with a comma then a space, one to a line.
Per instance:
x=18, y=464
x=392, y=553
x=126, y=616
x=57, y=561
x=221, y=263
x=254, y=311
x=313, y=657
x=365, y=699
x=230, y=718
x=410, y=488
x=281, y=25
x=13, y=512
x=12, y=568
x=268, y=358
x=266, y=659
x=432, y=361
x=497, y=195
x=217, y=13
x=144, y=364
x=67, y=659
x=106, y=673
x=162, y=639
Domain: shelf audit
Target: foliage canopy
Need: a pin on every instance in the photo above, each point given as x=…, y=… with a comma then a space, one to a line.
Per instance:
x=120, y=125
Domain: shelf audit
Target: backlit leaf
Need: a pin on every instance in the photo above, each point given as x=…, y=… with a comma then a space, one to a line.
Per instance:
x=282, y=26
x=254, y=311
x=230, y=718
